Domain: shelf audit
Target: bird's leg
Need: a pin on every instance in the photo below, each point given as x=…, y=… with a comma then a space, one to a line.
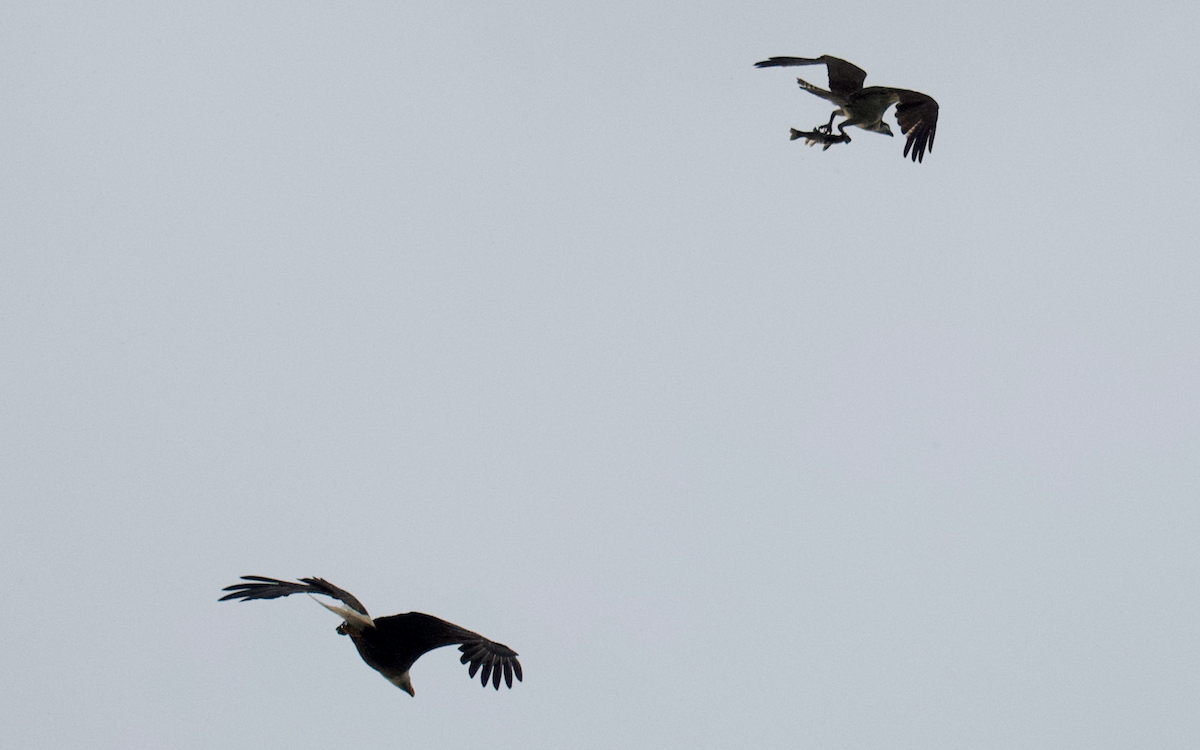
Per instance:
x=827, y=128
x=842, y=131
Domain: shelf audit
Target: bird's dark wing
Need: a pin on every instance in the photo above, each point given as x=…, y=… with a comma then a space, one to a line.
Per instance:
x=917, y=114
x=416, y=633
x=272, y=588
x=844, y=77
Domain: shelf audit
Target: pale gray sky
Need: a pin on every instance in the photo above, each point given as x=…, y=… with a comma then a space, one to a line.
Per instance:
x=531, y=317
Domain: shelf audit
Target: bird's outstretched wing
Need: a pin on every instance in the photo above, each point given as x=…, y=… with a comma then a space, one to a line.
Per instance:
x=917, y=115
x=421, y=633
x=273, y=588
x=844, y=77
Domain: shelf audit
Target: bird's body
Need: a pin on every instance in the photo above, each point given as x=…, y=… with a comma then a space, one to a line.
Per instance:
x=864, y=108
x=390, y=645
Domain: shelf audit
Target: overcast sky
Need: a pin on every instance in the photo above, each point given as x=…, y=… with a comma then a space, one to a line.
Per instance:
x=531, y=317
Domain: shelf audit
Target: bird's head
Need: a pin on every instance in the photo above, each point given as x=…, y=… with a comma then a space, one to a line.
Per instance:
x=883, y=127
x=402, y=681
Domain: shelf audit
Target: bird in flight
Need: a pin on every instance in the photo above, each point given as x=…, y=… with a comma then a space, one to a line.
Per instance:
x=916, y=113
x=390, y=645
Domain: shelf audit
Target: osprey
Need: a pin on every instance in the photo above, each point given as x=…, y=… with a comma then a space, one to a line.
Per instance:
x=915, y=112
x=390, y=645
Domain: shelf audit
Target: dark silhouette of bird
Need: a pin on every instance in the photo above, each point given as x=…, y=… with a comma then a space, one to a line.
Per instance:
x=916, y=113
x=390, y=645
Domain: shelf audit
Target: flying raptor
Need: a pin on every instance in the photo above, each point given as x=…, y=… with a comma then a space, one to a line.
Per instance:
x=390, y=645
x=916, y=113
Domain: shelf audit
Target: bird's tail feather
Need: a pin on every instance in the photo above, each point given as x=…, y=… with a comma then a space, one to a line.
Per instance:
x=818, y=91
